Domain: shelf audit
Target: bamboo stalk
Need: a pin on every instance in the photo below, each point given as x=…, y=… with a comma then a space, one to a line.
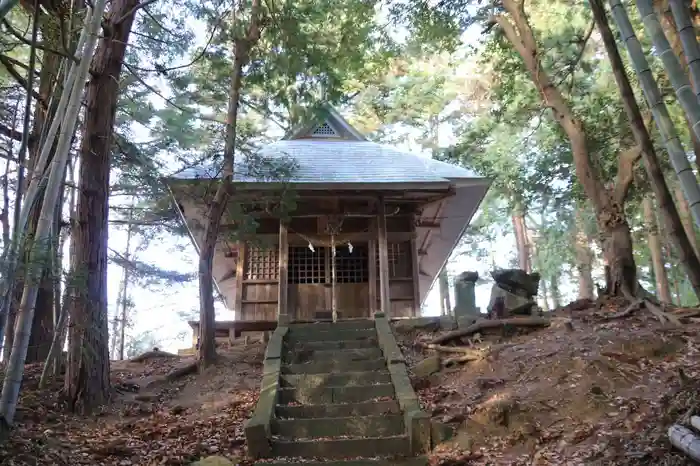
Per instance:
x=689, y=40
x=15, y=369
x=36, y=183
x=685, y=440
x=663, y=121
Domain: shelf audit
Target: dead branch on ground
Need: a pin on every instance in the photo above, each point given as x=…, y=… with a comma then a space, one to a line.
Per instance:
x=490, y=324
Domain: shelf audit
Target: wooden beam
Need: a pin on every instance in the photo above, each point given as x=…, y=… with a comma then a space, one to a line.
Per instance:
x=240, y=271
x=416, y=277
x=384, y=290
x=283, y=288
x=426, y=241
x=427, y=224
x=372, y=258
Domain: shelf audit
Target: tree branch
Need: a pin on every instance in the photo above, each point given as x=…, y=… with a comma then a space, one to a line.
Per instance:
x=8, y=64
x=18, y=35
x=625, y=172
x=10, y=132
x=134, y=10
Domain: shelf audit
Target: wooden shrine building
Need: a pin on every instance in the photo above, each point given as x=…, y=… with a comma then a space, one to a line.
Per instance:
x=370, y=227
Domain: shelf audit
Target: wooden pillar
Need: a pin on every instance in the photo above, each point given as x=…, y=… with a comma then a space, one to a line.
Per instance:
x=384, y=297
x=415, y=267
x=240, y=277
x=283, y=289
x=372, y=268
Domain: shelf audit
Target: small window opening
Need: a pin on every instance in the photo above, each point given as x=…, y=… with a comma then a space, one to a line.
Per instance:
x=306, y=266
x=324, y=131
x=351, y=267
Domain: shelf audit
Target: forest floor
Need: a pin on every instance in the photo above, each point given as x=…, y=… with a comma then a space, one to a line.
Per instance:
x=593, y=392
x=588, y=390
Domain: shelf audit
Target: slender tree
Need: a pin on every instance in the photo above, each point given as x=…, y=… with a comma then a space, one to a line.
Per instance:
x=87, y=375
x=241, y=55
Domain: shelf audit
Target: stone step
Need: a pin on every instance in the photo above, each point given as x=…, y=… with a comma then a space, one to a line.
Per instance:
x=352, y=354
x=322, y=367
x=332, y=335
x=368, y=426
x=369, y=408
x=330, y=345
x=348, y=394
x=342, y=448
x=334, y=380
x=418, y=461
x=355, y=324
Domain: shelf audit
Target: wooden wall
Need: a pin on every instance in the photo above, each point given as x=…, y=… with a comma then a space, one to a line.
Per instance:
x=260, y=283
x=258, y=290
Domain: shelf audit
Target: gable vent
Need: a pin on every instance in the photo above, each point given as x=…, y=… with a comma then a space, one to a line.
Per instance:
x=324, y=131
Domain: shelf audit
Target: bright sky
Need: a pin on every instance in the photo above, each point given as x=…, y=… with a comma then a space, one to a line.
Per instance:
x=157, y=312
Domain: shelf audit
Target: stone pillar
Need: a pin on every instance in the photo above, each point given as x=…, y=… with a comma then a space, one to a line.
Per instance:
x=465, y=310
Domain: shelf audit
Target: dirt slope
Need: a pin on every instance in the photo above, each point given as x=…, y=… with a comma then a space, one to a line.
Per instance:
x=595, y=392
x=164, y=423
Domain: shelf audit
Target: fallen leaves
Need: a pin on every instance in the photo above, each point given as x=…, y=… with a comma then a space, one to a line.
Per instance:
x=166, y=425
x=588, y=389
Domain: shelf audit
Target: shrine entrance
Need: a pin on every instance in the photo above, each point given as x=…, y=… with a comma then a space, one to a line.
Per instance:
x=329, y=277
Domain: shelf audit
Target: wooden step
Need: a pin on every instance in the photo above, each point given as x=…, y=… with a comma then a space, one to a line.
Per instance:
x=355, y=324
x=333, y=366
x=369, y=408
x=367, y=426
x=330, y=344
x=348, y=394
x=344, y=354
x=342, y=448
x=419, y=461
x=334, y=379
x=332, y=335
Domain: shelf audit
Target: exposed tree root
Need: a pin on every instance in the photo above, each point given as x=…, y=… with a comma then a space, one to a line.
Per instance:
x=486, y=324
x=182, y=371
x=652, y=307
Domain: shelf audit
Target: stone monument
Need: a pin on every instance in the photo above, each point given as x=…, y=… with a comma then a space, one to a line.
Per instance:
x=513, y=293
x=465, y=310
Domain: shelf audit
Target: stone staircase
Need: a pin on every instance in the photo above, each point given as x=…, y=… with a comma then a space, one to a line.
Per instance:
x=337, y=393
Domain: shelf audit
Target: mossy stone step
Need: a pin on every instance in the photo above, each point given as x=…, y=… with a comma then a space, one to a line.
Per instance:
x=344, y=354
x=369, y=408
x=330, y=345
x=367, y=426
x=334, y=380
x=418, y=461
x=331, y=335
x=358, y=324
x=322, y=367
x=348, y=394
x=342, y=448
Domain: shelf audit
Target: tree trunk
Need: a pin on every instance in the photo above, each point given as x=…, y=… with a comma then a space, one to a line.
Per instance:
x=56, y=175
x=521, y=239
x=87, y=375
x=686, y=217
x=241, y=56
x=125, y=283
x=672, y=220
x=584, y=260
x=609, y=206
x=545, y=302
x=444, y=284
x=663, y=291
x=554, y=292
